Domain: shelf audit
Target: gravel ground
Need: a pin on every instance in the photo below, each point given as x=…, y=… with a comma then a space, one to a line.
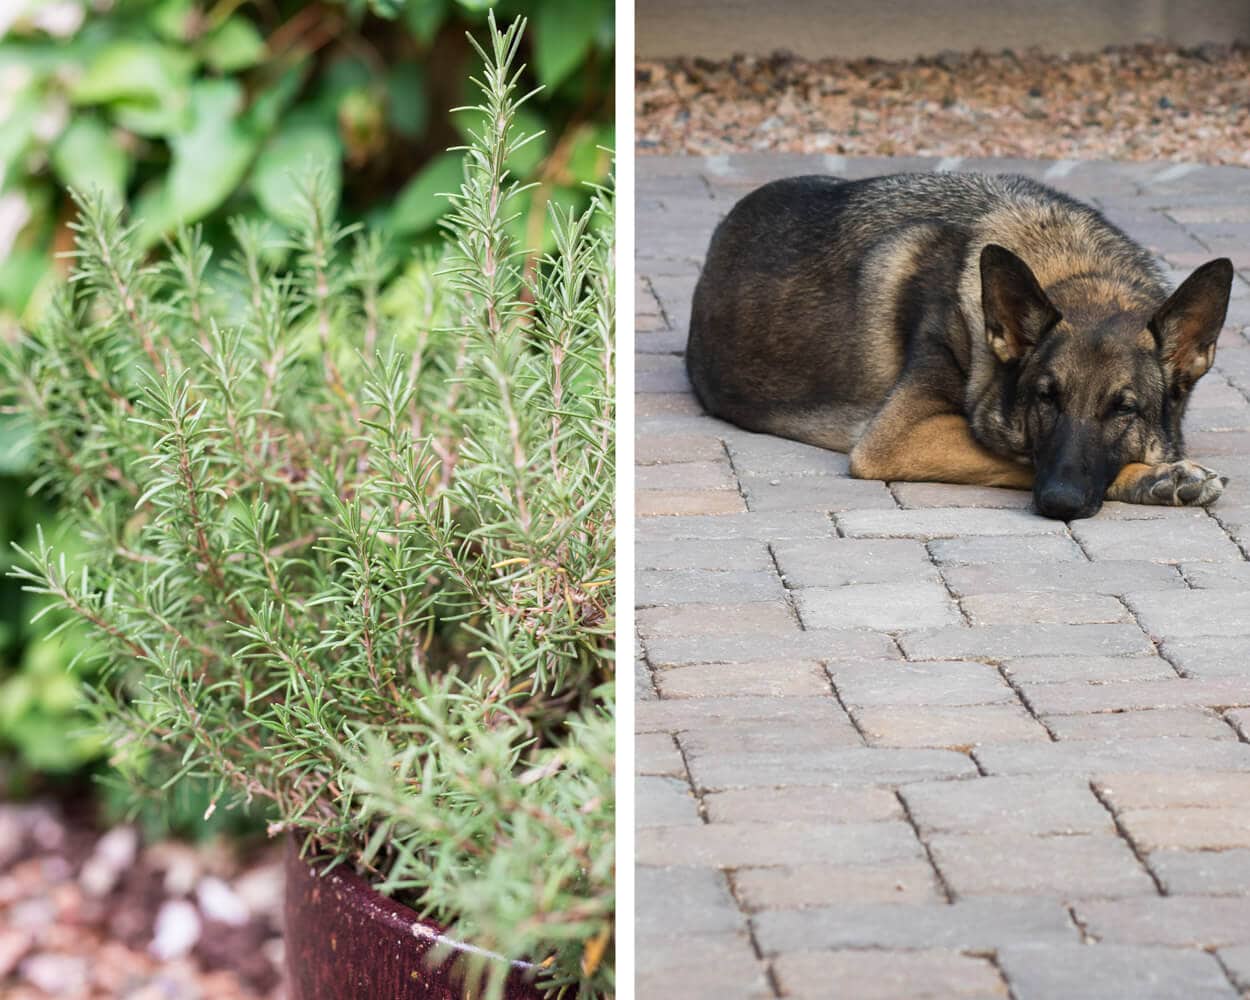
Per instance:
x=87, y=914
x=1140, y=103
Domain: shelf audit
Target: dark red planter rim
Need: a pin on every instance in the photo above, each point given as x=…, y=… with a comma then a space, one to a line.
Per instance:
x=344, y=939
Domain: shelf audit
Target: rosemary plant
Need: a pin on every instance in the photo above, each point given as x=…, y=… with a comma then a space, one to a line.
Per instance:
x=350, y=540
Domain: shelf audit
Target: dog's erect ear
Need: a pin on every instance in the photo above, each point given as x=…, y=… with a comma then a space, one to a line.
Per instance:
x=1187, y=325
x=1017, y=312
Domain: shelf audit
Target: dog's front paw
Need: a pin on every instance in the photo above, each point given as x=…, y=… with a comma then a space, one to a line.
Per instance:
x=1173, y=484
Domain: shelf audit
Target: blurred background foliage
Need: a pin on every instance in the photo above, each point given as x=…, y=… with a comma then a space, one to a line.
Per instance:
x=200, y=111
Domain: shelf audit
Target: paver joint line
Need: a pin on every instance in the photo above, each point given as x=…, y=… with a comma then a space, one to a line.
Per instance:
x=935, y=725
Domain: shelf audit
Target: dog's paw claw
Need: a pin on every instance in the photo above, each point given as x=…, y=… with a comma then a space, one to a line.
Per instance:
x=1185, y=484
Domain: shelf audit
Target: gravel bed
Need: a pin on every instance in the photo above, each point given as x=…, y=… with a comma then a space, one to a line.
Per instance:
x=88, y=914
x=1139, y=103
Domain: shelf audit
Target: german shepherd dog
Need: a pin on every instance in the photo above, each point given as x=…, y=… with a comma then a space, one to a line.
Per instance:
x=958, y=328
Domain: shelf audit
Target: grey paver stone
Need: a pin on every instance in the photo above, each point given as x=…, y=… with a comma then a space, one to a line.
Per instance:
x=1217, y=576
x=800, y=885
x=1005, y=549
x=1135, y=788
x=920, y=495
x=1208, y=656
x=700, y=586
x=716, y=619
x=1087, y=758
x=1203, y=873
x=982, y=924
x=1190, y=722
x=883, y=606
x=650, y=404
x=1237, y=961
x=742, y=556
x=1008, y=807
x=1205, y=827
x=870, y=975
x=1090, y=866
x=879, y=765
x=822, y=493
x=668, y=650
x=770, y=679
x=834, y=562
x=944, y=522
x=1176, y=692
x=667, y=449
x=699, y=903
x=763, y=454
x=1112, y=972
x=1068, y=576
x=936, y=682
x=941, y=726
x=1004, y=641
x=804, y=804
x=1173, y=921
x=643, y=688
x=701, y=967
x=769, y=737
x=1102, y=669
x=1043, y=608
x=713, y=475
x=657, y=753
x=707, y=712
x=1195, y=539
x=763, y=526
x=739, y=845
x=672, y=503
x=1239, y=719
x=1192, y=612
x=660, y=801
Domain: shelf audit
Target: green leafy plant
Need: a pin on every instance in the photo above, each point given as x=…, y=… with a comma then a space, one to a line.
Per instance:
x=198, y=110
x=348, y=538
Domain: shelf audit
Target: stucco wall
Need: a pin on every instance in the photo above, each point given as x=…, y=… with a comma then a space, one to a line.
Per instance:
x=892, y=29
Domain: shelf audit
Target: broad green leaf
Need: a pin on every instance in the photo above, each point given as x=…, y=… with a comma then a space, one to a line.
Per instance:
x=212, y=158
x=173, y=20
x=296, y=149
x=209, y=161
x=269, y=105
x=153, y=212
x=17, y=129
x=407, y=108
x=419, y=206
x=590, y=154
x=425, y=17
x=137, y=71
x=234, y=46
x=20, y=275
x=563, y=33
x=88, y=156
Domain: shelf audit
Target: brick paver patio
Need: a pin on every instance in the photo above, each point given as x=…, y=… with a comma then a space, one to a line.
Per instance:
x=910, y=740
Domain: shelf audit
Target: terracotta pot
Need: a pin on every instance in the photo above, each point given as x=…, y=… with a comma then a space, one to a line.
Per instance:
x=346, y=941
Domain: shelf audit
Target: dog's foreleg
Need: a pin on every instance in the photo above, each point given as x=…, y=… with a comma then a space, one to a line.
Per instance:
x=1171, y=484
x=915, y=438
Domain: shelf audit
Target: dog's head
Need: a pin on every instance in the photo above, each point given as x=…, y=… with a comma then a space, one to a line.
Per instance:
x=1097, y=387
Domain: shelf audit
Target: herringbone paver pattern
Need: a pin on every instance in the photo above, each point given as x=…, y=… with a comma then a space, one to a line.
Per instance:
x=910, y=740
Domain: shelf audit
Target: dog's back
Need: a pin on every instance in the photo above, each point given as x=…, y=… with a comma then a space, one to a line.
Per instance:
x=817, y=292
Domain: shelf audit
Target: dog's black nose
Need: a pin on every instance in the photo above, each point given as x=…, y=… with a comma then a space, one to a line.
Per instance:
x=1064, y=502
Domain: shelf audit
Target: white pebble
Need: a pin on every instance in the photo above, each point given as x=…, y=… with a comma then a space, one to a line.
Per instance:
x=114, y=853
x=177, y=930
x=218, y=901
